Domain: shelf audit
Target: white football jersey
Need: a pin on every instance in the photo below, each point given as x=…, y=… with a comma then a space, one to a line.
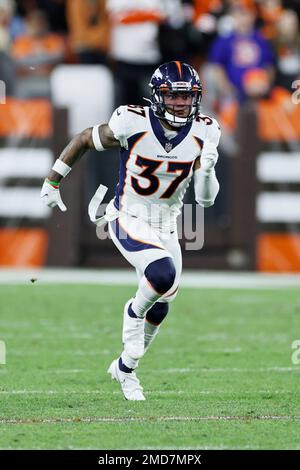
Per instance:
x=156, y=170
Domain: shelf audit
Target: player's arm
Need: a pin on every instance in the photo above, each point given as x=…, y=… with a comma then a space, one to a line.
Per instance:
x=86, y=140
x=206, y=185
x=98, y=137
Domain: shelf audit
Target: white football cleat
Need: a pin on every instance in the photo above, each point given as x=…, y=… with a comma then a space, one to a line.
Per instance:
x=133, y=334
x=130, y=384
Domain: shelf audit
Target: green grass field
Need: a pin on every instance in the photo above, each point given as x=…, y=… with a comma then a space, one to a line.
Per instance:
x=219, y=375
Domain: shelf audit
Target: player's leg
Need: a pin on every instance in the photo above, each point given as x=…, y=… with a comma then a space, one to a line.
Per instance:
x=157, y=280
x=154, y=317
x=158, y=272
x=158, y=312
x=144, y=250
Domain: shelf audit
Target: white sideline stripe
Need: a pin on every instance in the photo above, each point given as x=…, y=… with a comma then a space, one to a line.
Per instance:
x=68, y=371
x=151, y=419
x=188, y=370
x=225, y=369
x=46, y=336
x=150, y=392
x=105, y=352
x=193, y=370
x=195, y=279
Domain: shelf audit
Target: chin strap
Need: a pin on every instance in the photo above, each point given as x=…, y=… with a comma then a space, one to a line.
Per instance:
x=170, y=119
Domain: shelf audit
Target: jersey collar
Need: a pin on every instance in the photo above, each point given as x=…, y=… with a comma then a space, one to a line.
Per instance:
x=168, y=144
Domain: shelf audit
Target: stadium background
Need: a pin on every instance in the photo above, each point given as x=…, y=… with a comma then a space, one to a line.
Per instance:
x=224, y=370
x=67, y=64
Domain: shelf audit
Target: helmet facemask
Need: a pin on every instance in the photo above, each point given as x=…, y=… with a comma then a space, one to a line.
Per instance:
x=164, y=111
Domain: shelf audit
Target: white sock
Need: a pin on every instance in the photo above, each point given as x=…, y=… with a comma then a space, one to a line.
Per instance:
x=129, y=361
x=150, y=333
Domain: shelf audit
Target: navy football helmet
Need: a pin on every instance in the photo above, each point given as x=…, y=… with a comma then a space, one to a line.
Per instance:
x=177, y=77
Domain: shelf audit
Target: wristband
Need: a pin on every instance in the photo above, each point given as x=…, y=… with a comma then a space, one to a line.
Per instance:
x=55, y=184
x=61, y=168
x=96, y=139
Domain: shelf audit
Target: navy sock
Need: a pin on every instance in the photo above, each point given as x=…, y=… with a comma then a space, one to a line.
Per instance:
x=131, y=312
x=124, y=368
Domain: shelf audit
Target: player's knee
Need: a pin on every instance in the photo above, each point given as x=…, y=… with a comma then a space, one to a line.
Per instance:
x=171, y=297
x=157, y=313
x=161, y=274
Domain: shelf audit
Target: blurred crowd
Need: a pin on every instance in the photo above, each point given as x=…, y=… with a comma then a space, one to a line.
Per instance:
x=242, y=48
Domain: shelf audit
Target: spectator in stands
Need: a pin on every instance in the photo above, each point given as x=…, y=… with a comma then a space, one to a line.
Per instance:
x=201, y=27
x=24, y=7
x=173, y=32
x=287, y=44
x=6, y=14
x=232, y=56
x=257, y=84
x=56, y=14
x=212, y=17
x=89, y=30
x=36, y=53
x=16, y=23
x=292, y=5
x=7, y=72
x=278, y=117
x=135, y=49
x=268, y=14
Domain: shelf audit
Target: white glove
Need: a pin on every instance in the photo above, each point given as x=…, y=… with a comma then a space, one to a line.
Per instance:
x=206, y=187
x=209, y=156
x=51, y=196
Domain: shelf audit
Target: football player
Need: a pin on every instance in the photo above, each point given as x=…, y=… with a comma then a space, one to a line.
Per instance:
x=161, y=147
